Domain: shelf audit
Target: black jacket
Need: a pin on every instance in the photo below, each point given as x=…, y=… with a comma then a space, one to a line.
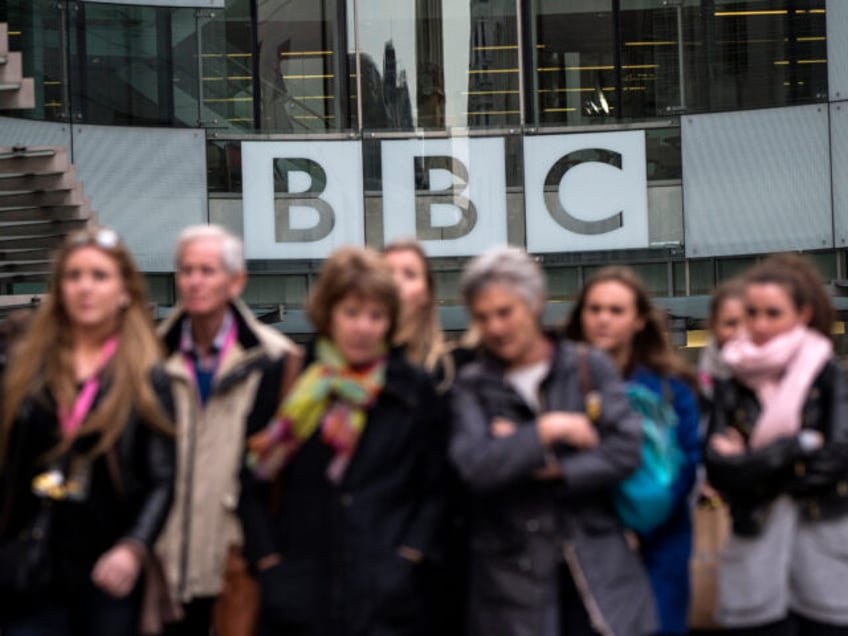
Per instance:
x=817, y=479
x=129, y=496
x=341, y=574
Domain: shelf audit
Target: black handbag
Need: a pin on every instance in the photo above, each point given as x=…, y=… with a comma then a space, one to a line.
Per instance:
x=26, y=564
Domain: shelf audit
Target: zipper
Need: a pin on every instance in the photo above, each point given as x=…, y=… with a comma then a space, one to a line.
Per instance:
x=187, y=498
x=596, y=618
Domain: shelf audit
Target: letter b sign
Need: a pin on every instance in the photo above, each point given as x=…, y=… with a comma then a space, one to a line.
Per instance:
x=301, y=200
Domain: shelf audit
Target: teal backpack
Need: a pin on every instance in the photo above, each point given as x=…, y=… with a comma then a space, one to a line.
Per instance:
x=644, y=500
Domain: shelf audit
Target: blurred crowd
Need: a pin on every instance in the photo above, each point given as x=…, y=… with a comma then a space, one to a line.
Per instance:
x=207, y=475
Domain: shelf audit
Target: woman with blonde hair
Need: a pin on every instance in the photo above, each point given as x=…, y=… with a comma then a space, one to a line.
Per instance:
x=86, y=449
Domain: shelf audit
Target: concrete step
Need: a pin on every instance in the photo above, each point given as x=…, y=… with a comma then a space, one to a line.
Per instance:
x=12, y=71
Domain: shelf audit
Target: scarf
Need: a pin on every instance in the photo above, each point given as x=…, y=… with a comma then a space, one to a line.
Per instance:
x=330, y=396
x=781, y=373
x=711, y=367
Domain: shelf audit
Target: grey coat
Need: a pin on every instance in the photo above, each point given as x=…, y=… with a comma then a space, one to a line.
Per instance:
x=524, y=529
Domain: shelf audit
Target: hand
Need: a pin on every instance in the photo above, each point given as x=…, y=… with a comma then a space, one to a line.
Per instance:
x=502, y=427
x=729, y=442
x=550, y=471
x=575, y=429
x=410, y=554
x=116, y=571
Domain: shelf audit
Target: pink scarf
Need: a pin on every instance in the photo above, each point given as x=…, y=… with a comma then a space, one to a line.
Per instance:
x=780, y=372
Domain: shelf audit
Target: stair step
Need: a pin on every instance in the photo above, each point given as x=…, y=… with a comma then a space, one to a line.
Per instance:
x=33, y=242
x=25, y=266
x=55, y=213
x=9, y=231
x=39, y=199
x=11, y=72
x=34, y=161
x=21, y=99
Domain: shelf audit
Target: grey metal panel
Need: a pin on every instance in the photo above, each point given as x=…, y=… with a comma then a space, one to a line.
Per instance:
x=14, y=131
x=837, y=49
x=665, y=215
x=147, y=184
x=756, y=181
x=839, y=153
x=200, y=4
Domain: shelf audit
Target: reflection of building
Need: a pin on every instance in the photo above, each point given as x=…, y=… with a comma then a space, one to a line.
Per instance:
x=429, y=56
x=396, y=91
x=493, y=95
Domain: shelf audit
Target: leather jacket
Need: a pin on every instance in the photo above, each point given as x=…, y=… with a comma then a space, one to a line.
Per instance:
x=816, y=478
x=130, y=492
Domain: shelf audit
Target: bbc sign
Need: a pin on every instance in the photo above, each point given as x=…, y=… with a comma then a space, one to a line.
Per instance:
x=582, y=192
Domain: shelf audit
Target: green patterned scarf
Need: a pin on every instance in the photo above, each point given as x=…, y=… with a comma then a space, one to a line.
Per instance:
x=328, y=395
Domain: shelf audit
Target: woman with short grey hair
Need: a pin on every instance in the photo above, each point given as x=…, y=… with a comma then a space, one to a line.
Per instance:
x=506, y=265
x=548, y=554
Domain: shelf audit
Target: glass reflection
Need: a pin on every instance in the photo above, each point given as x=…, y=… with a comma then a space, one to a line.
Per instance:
x=444, y=64
x=123, y=61
x=303, y=66
x=37, y=30
x=575, y=74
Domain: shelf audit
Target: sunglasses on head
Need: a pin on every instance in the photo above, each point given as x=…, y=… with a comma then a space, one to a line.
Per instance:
x=103, y=237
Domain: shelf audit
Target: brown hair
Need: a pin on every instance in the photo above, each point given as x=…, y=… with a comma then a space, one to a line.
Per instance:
x=728, y=290
x=651, y=348
x=357, y=271
x=427, y=346
x=43, y=359
x=802, y=281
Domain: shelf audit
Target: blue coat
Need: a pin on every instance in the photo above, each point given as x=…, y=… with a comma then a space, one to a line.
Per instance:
x=666, y=550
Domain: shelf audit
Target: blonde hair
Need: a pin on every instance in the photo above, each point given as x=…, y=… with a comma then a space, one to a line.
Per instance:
x=427, y=345
x=44, y=357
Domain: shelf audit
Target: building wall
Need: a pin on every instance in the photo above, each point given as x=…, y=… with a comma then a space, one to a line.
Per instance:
x=736, y=110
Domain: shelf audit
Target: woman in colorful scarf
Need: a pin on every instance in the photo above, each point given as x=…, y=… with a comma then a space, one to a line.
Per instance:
x=355, y=462
x=777, y=452
x=87, y=450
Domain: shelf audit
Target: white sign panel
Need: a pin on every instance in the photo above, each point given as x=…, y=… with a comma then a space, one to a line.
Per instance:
x=586, y=192
x=198, y=4
x=449, y=194
x=302, y=199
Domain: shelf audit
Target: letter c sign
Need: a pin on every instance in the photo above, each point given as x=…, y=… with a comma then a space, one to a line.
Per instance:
x=586, y=192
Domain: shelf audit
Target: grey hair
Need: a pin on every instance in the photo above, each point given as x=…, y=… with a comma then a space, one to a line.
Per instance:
x=232, y=249
x=504, y=265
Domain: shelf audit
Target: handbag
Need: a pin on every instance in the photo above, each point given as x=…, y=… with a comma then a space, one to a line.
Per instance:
x=26, y=564
x=26, y=560
x=711, y=522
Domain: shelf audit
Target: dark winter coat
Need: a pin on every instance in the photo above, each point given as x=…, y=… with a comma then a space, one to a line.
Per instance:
x=751, y=481
x=523, y=530
x=341, y=574
x=128, y=499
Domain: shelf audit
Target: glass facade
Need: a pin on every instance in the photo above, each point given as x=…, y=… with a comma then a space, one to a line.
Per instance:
x=377, y=70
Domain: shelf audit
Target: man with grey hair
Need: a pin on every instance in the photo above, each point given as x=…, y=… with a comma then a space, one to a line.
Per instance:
x=540, y=455
x=227, y=370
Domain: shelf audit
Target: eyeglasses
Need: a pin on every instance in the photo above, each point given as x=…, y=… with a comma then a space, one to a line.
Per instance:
x=102, y=237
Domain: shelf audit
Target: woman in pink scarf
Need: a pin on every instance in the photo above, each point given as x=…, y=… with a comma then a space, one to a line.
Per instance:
x=777, y=451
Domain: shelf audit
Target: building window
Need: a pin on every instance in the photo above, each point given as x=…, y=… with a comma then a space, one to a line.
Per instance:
x=434, y=64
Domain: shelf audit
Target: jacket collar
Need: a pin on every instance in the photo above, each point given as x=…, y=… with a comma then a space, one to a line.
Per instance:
x=252, y=347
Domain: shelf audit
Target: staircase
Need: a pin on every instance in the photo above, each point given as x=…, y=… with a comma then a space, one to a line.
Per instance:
x=16, y=91
x=41, y=199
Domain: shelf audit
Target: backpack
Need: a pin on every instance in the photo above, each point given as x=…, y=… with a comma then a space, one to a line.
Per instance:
x=644, y=500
